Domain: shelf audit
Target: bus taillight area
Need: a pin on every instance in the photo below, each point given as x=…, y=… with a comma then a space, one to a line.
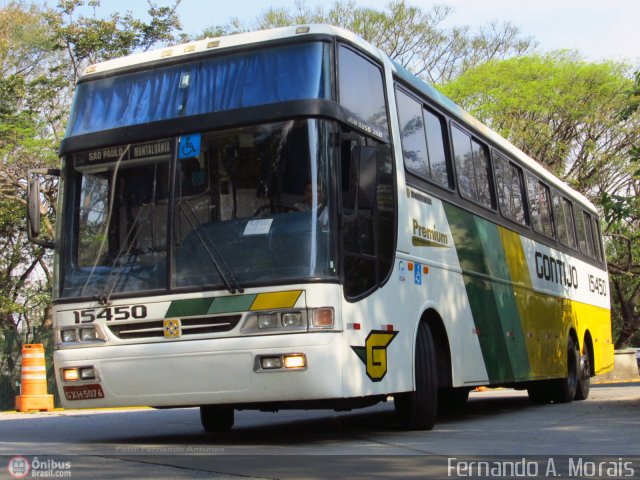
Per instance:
x=273, y=368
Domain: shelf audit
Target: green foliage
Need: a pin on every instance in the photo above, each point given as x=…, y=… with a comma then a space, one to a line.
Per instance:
x=42, y=53
x=414, y=37
x=582, y=120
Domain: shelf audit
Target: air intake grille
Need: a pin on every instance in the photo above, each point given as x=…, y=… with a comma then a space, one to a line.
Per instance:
x=190, y=326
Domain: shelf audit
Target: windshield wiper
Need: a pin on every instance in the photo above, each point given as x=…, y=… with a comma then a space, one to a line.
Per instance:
x=125, y=250
x=228, y=279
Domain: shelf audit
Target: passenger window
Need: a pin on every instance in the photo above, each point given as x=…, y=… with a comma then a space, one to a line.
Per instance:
x=596, y=240
x=422, y=137
x=361, y=89
x=571, y=230
x=412, y=135
x=438, y=161
x=472, y=163
x=539, y=206
x=589, y=233
x=563, y=215
x=582, y=233
x=509, y=187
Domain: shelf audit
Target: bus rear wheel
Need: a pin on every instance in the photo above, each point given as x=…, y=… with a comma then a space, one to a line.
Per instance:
x=417, y=410
x=216, y=418
x=565, y=388
x=584, y=374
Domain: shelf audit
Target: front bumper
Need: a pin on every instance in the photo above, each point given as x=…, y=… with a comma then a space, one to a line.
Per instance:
x=202, y=372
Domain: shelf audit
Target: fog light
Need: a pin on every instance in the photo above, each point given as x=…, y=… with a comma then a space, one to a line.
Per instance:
x=87, y=373
x=295, y=361
x=322, y=318
x=270, y=363
x=88, y=335
x=268, y=320
x=70, y=374
x=69, y=336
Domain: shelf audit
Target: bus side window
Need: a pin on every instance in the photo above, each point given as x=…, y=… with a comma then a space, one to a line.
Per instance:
x=509, y=187
x=581, y=231
x=412, y=135
x=597, y=239
x=571, y=229
x=588, y=233
x=438, y=161
x=361, y=88
x=540, y=206
x=474, y=173
x=422, y=137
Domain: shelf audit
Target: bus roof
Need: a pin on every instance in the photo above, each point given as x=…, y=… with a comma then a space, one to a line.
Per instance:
x=169, y=54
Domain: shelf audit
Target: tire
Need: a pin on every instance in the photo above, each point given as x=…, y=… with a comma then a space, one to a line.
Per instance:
x=564, y=390
x=417, y=410
x=584, y=374
x=216, y=418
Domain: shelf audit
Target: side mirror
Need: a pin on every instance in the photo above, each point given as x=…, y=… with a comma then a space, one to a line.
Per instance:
x=33, y=205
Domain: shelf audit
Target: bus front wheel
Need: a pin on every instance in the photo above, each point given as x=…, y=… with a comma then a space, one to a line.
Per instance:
x=216, y=418
x=417, y=410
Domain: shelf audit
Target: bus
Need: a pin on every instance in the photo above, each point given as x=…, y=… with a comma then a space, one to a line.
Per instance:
x=287, y=219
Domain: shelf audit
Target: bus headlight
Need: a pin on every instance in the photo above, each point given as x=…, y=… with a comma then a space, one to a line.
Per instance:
x=81, y=335
x=293, y=319
x=88, y=334
x=275, y=322
x=68, y=336
x=268, y=320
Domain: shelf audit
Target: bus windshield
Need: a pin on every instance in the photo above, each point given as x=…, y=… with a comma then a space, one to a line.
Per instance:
x=249, y=206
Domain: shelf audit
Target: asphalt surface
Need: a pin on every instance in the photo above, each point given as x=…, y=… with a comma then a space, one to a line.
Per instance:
x=368, y=443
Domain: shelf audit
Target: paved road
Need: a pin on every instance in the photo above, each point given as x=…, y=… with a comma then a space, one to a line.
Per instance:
x=145, y=443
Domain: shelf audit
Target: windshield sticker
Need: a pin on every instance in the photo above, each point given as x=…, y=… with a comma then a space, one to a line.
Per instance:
x=258, y=227
x=189, y=145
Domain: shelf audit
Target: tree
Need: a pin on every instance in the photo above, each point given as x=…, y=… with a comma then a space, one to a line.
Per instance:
x=411, y=36
x=43, y=51
x=581, y=120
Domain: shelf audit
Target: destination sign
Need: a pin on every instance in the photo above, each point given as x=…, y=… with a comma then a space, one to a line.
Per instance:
x=124, y=153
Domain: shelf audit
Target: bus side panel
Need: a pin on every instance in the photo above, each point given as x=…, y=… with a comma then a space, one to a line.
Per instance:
x=525, y=298
x=430, y=270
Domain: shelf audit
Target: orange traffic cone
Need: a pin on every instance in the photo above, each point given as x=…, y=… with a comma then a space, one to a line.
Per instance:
x=33, y=386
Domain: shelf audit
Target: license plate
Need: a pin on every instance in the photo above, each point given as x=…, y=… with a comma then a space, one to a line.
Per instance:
x=83, y=392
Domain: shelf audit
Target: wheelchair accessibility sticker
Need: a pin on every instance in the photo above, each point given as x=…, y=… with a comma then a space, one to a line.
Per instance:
x=189, y=145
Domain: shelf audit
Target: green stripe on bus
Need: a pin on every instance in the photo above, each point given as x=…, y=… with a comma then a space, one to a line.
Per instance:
x=189, y=307
x=491, y=297
x=240, y=303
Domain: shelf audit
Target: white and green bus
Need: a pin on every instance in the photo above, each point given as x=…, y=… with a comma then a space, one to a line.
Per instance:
x=288, y=219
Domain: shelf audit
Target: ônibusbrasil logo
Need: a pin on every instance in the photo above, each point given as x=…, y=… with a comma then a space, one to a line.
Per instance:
x=19, y=467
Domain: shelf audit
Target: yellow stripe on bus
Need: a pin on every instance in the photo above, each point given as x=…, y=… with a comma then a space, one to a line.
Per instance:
x=267, y=301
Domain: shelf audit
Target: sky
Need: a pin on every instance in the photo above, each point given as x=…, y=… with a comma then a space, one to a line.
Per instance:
x=598, y=29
